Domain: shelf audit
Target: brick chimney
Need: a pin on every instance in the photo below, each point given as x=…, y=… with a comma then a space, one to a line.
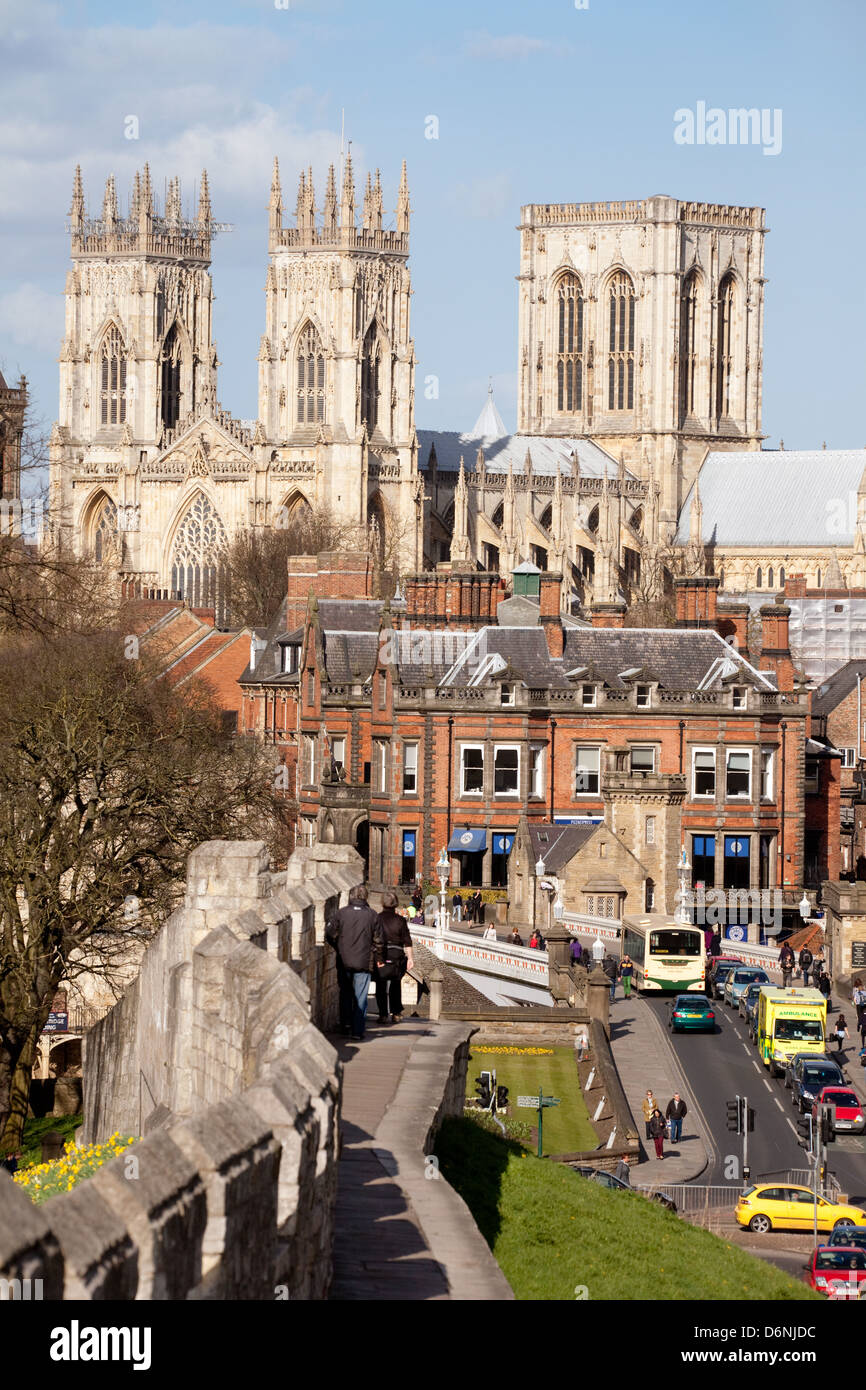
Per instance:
x=331, y=574
x=795, y=586
x=607, y=614
x=453, y=597
x=732, y=621
x=775, y=647
x=551, y=617
x=697, y=600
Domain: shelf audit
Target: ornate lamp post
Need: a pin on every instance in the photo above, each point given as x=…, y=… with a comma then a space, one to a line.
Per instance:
x=443, y=873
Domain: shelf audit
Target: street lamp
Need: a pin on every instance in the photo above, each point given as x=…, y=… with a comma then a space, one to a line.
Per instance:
x=539, y=874
x=805, y=908
x=598, y=950
x=443, y=873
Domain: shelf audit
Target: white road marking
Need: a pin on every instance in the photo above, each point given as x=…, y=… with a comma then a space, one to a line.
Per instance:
x=745, y=1047
x=779, y=1103
x=790, y=1124
x=767, y=1084
x=755, y=1065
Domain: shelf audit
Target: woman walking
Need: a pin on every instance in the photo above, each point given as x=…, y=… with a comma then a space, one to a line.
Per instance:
x=398, y=959
x=657, y=1132
x=626, y=970
x=649, y=1105
x=840, y=1032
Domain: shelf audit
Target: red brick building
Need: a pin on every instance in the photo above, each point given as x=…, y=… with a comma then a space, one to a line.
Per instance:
x=425, y=722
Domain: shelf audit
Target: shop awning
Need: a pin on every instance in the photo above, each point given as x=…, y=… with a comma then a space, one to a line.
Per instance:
x=467, y=841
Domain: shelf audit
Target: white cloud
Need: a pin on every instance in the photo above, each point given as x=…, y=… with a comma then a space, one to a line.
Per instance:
x=506, y=46
x=31, y=318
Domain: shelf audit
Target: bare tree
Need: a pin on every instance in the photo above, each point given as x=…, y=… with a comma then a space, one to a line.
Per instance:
x=256, y=561
x=652, y=597
x=109, y=777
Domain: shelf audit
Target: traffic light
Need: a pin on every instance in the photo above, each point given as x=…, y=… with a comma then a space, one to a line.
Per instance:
x=750, y=1118
x=482, y=1087
x=733, y=1108
x=804, y=1125
x=501, y=1097
x=828, y=1131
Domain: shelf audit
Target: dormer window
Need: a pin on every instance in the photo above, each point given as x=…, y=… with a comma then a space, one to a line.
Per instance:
x=739, y=694
x=291, y=658
x=506, y=694
x=643, y=697
x=587, y=696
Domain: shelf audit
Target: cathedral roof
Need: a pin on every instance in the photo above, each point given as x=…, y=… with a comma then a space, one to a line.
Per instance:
x=777, y=497
x=489, y=425
x=548, y=453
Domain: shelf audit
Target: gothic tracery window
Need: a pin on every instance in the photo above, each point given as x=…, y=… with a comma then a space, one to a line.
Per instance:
x=370, y=379
x=724, y=347
x=170, y=365
x=311, y=378
x=104, y=530
x=620, y=360
x=198, y=568
x=688, y=345
x=112, y=379
x=569, y=359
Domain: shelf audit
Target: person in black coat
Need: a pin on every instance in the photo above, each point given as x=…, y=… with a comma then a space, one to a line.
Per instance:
x=357, y=937
x=398, y=952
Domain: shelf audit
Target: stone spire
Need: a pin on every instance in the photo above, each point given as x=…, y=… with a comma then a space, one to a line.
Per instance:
x=329, y=210
x=605, y=584
x=376, y=203
x=404, y=211
x=275, y=204
x=136, y=197
x=367, y=212
x=460, y=538
x=204, y=207
x=76, y=212
x=109, y=204
x=301, y=204
x=347, y=201
x=145, y=207
x=834, y=578
x=695, y=549
x=556, y=508
x=172, y=201
x=508, y=529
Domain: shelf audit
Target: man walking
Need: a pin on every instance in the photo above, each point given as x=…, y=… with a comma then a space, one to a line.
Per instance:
x=676, y=1113
x=356, y=935
x=610, y=970
x=786, y=964
x=805, y=964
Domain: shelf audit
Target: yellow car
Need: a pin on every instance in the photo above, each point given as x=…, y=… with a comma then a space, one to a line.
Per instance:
x=772, y=1207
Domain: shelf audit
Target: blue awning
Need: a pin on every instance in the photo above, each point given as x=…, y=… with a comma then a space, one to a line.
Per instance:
x=502, y=844
x=468, y=841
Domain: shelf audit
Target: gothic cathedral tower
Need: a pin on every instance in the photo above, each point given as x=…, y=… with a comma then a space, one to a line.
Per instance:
x=336, y=363
x=641, y=325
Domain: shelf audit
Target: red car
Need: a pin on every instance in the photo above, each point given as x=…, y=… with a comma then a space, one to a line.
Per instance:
x=848, y=1114
x=839, y=1271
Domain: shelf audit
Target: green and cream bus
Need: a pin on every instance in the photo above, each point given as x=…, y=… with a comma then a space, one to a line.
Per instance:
x=667, y=955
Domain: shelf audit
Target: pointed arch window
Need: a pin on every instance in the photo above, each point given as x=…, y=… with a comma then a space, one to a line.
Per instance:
x=198, y=566
x=170, y=365
x=759, y=580
x=498, y=516
x=104, y=530
x=311, y=378
x=688, y=345
x=725, y=347
x=770, y=577
x=569, y=349
x=546, y=518
x=370, y=379
x=112, y=379
x=620, y=360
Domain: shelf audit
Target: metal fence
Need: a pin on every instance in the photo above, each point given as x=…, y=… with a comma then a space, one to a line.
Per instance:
x=803, y=1177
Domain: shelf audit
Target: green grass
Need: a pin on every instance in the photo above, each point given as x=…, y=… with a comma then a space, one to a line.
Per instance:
x=36, y=1130
x=552, y=1231
x=566, y=1128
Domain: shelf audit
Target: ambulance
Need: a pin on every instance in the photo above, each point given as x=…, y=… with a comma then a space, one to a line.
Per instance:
x=789, y=1021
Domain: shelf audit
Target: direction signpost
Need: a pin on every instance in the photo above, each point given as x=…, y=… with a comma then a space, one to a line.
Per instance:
x=539, y=1103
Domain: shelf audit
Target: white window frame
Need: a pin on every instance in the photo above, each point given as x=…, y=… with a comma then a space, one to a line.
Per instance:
x=464, y=748
x=506, y=694
x=338, y=746
x=380, y=766
x=643, y=696
x=768, y=773
x=650, y=830
x=587, y=748
x=506, y=748
x=308, y=775
x=410, y=768
x=588, y=696
x=704, y=796
x=650, y=747
x=738, y=752
x=537, y=769
x=739, y=697
x=291, y=658
x=849, y=757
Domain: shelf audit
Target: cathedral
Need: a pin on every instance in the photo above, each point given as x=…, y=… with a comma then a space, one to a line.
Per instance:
x=640, y=328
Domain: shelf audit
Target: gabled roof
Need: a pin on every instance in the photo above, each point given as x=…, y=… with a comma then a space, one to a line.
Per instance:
x=834, y=690
x=558, y=844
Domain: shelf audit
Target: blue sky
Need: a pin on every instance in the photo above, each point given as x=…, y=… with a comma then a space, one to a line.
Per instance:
x=535, y=103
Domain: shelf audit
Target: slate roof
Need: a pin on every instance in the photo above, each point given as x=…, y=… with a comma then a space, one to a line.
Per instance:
x=457, y=993
x=558, y=844
x=836, y=687
x=547, y=453
x=268, y=668
x=777, y=497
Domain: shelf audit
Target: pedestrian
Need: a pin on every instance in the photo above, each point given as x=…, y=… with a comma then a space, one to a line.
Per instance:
x=649, y=1105
x=581, y=1042
x=805, y=963
x=657, y=1132
x=716, y=943
x=478, y=907
x=398, y=959
x=417, y=900
x=357, y=937
x=515, y=939
x=575, y=950
x=708, y=939
x=490, y=934
x=533, y=940
x=858, y=997
x=824, y=986
x=457, y=908
x=840, y=1032
x=676, y=1113
x=626, y=970
x=609, y=968
x=786, y=964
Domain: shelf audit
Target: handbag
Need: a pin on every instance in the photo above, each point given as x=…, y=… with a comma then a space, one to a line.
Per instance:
x=392, y=966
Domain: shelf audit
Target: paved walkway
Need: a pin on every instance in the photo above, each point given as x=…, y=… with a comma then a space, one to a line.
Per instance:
x=380, y=1252
x=645, y=1061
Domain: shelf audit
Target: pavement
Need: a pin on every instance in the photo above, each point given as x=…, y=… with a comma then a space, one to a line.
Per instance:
x=646, y=1061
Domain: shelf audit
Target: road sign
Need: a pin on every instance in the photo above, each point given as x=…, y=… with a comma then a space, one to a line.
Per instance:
x=528, y=1102
x=539, y=1103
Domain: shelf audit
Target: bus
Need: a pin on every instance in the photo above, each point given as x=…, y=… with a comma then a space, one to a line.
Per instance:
x=667, y=954
x=789, y=1021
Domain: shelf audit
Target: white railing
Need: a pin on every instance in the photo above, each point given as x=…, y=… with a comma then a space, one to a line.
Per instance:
x=486, y=956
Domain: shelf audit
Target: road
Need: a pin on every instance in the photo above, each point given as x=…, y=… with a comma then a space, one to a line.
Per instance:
x=719, y=1067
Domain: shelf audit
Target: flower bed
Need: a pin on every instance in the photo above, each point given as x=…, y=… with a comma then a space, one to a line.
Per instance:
x=517, y=1051
x=43, y=1180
